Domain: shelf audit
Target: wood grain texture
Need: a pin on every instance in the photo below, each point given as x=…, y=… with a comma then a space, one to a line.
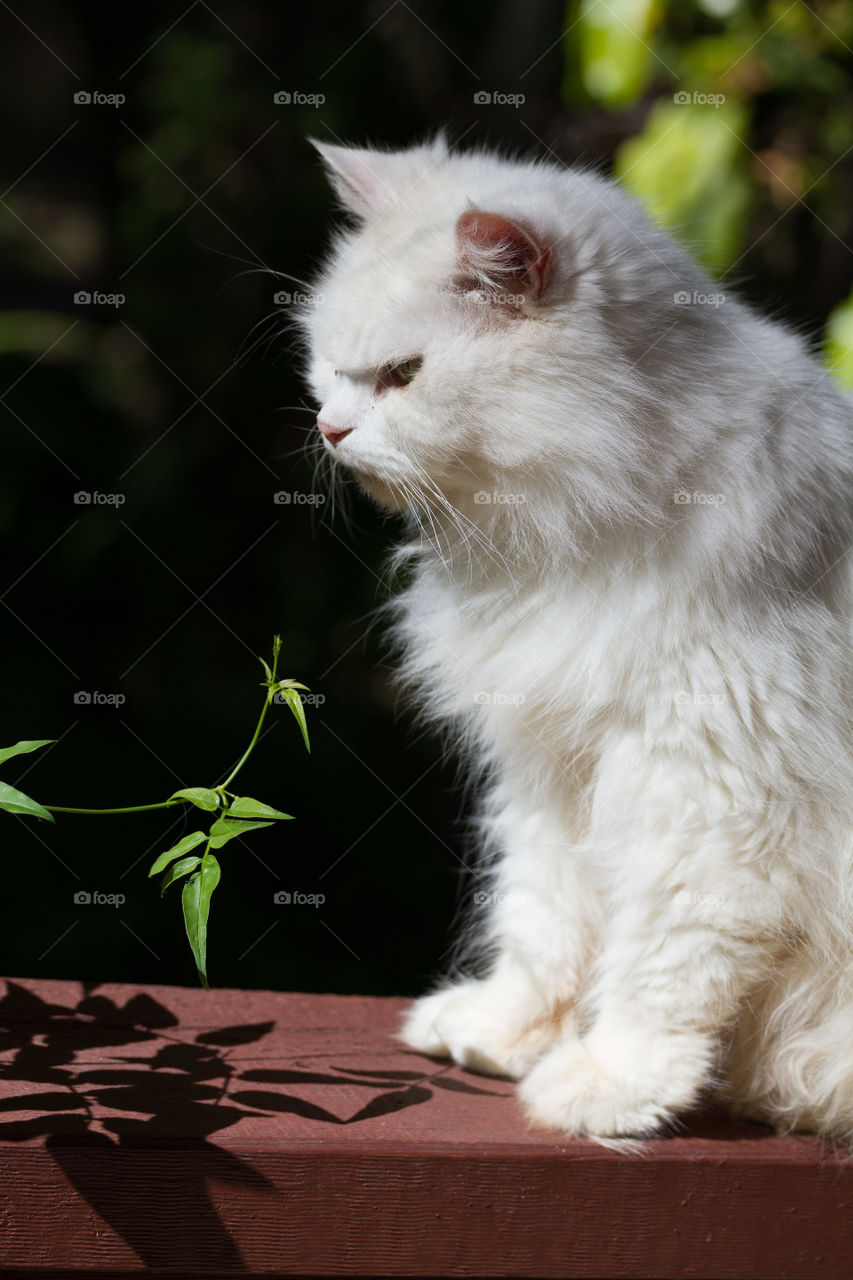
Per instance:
x=260, y=1133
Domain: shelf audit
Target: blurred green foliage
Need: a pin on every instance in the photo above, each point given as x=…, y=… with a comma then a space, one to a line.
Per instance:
x=752, y=110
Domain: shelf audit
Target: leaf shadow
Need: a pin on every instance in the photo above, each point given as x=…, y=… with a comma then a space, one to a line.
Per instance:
x=115, y=1163
x=105, y=1117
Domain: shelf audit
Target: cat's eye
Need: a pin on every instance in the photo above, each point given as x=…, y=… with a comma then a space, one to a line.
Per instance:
x=398, y=375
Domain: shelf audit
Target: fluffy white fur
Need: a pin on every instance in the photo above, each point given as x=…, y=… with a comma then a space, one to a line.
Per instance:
x=656, y=692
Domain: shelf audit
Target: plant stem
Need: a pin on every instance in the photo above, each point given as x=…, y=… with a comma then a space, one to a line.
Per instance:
x=232, y=775
x=167, y=804
x=136, y=808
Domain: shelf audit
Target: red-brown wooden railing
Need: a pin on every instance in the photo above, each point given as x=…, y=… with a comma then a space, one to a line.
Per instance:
x=254, y=1133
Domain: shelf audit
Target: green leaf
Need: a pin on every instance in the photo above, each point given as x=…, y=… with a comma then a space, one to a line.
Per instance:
x=196, y=902
x=266, y=670
x=178, y=869
x=246, y=807
x=16, y=802
x=839, y=342
x=203, y=797
x=614, y=41
x=183, y=846
x=19, y=748
x=688, y=166
x=225, y=829
x=293, y=700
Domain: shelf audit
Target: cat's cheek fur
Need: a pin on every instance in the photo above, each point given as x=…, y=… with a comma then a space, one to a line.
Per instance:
x=385, y=495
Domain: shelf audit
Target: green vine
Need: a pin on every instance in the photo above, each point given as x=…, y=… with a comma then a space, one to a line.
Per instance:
x=235, y=816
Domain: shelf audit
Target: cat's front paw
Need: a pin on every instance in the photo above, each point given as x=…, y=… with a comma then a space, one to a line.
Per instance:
x=473, y=1025
x=616, y=1089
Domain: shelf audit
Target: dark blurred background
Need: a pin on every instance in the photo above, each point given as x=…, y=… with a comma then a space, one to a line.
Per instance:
x=182, y=395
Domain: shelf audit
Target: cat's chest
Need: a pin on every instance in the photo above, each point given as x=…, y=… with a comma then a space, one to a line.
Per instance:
x=554, y=653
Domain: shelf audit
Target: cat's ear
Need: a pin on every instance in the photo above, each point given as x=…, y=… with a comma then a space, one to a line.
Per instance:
x=367, y=181
x=495, y=254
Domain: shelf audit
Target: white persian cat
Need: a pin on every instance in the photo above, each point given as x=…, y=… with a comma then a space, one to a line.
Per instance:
x=629, y=601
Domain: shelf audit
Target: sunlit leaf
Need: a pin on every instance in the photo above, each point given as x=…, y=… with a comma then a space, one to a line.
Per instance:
x=196, y=903
x=183, y=846
x=246, y=807
x=19, y=748
x=614, y=43
x=225, y=829
x=839, y=342
x=203, y=797
x=16, y=802
x=177, y=870
x=294, y=701
x=688, y=166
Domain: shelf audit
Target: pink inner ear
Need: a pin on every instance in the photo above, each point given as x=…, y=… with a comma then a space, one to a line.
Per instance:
x=496, y=252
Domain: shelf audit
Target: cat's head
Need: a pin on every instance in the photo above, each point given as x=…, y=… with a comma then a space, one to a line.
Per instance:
x=478, y=331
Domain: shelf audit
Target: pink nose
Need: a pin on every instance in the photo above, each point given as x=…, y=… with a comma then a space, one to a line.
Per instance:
x=334, y=435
